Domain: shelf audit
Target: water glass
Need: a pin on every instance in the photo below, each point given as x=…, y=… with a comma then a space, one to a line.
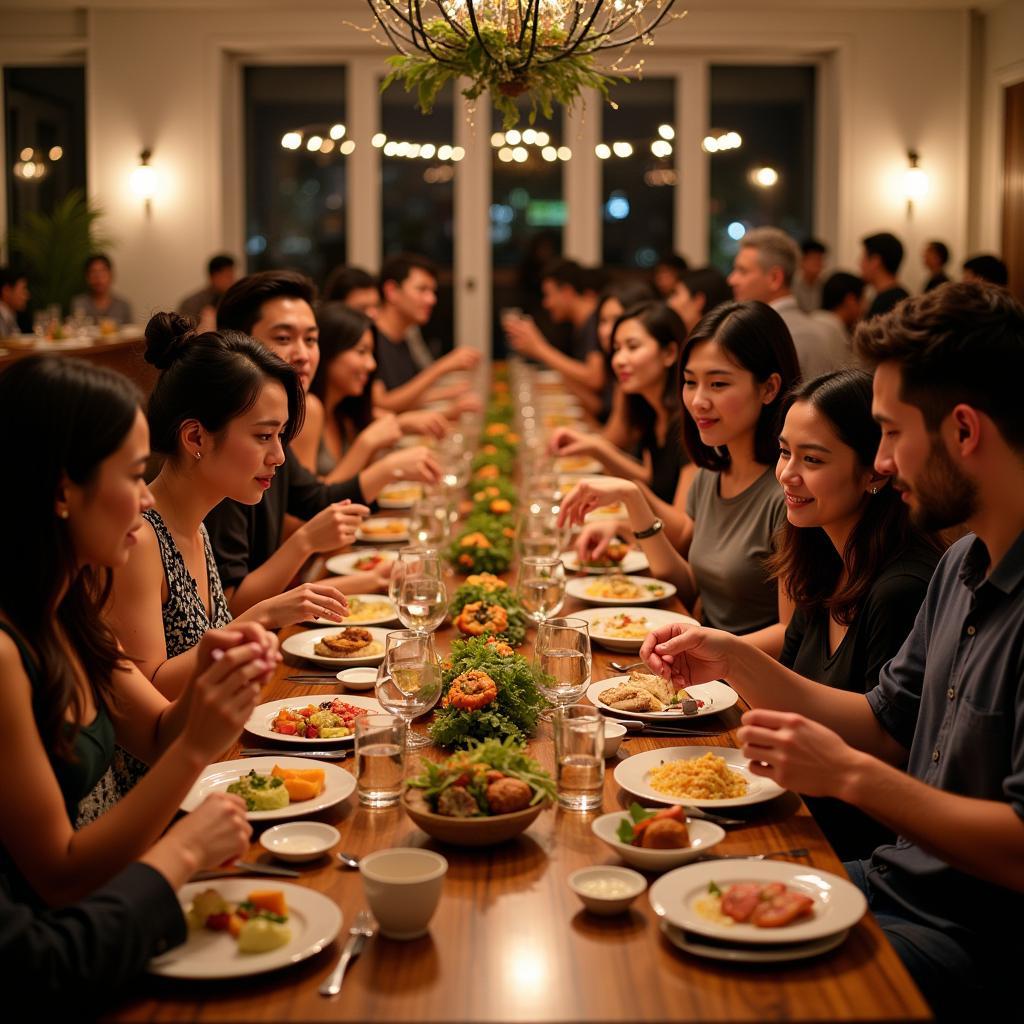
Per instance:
x=541, y=586
x=409, y=679
x=422, y=603
x=411, y=562
x=562, y=660
x=538, y=533
x=380, y=759
x=430, y=520
x=579, y=757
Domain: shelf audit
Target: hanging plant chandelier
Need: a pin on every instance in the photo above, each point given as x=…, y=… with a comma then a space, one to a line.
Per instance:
x=545, y=49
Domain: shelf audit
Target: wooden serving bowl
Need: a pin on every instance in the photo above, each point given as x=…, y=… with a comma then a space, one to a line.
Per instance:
x=497, y=828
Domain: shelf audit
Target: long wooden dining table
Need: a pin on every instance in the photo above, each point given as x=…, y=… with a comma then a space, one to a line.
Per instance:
x=510, y=942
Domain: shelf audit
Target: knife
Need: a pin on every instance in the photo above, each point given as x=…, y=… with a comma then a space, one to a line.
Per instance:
x=320, y=755
x=245, y=867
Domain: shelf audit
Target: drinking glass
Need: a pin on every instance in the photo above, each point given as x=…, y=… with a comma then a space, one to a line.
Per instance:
x=380, y=759
x=541, y=586
x=579, y=757
x=561, y=661
x=430, y=520
x=410, y=562
x=409, y=679
x=422, y=603
x=538, y=533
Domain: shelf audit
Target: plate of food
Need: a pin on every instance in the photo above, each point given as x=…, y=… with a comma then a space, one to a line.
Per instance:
x=619, y=558
x=353, y=562
x=757, y=902
x=617, y=589
x=338, y=645
x=578, y=464
x=652, y=699
x=274, y=788
x=401, y=494
x=383, y=530
x=624, y=629
x=238, y=929
x=308, y=721
x=656, y=840
x=617, y=510
x=713, y=950
x=695, y=776
x=364, y=610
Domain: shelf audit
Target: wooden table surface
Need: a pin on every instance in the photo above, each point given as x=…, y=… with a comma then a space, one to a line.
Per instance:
x=511, y=942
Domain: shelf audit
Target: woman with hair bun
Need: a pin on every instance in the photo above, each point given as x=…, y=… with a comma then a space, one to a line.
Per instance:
x=70, y=692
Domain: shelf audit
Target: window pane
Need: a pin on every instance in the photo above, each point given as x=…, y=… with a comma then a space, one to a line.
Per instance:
x=418, y=169
x=527, y=211
x=295, y=196
x=45, y=140
x=769, y=177
x=637, y=173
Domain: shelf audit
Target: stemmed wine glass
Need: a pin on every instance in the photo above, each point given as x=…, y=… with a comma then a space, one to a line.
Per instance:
x=430, y=520
x=413, y=561
x=538, y=533
x=541, y=586
x=422, y=603
x=409, y=679
x=562, y=661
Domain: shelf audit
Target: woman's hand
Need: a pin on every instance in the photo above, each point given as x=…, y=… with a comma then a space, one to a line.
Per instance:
x=566, y=441
x=384, y=432
x=417, y=463
x=426, y=421
x=685, y=654
x=300, y=604
x=591, y=493
x=333, y=527
x=592, y=543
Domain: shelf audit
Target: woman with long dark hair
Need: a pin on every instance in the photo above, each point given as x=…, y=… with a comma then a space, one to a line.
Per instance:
x=733, y=368
x=345, y=433
x=645, y=344
x=70, y=693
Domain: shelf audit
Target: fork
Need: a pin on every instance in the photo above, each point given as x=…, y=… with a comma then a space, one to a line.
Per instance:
x=361, y=930
x=627, y=668
x=319, y=755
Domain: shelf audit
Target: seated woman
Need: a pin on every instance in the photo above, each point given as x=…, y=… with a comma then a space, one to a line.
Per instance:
x=645, y=345
x=342, y=435
x=734, y=368
x=698, y=292
x=848, y=558
x=70, y=693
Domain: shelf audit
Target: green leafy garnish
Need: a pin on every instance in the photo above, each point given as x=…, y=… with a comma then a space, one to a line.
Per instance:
x=713, y=889
x=470, y=592
x=637, y=814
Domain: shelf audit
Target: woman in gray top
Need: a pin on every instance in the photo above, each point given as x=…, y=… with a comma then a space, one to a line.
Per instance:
x=734, y=368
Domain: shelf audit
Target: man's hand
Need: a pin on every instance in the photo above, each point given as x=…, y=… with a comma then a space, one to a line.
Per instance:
x=524, y=337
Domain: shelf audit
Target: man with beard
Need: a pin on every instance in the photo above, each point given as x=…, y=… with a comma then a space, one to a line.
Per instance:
x=936, y=750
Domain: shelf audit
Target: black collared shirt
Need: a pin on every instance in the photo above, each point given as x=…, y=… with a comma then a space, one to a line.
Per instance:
x=953, y=697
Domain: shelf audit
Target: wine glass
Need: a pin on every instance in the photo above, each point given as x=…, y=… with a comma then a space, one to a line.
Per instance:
x=562, y=661
x=422, y=603
x=537, y=531
x=409, y=679
x=413, y=561
x=430, y=520
x=541, y=586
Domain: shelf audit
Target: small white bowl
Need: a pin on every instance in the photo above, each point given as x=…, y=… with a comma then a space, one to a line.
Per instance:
x=703, y=836
x=358, y=678
x=598, y=903
x=613, y=733
x=300, y=840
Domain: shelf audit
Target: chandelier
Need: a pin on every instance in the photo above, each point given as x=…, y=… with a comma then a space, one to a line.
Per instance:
x=545, y=49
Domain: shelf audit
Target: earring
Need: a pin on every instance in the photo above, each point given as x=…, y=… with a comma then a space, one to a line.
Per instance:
x=63, y=513
x=199, y=455
x=874, y=490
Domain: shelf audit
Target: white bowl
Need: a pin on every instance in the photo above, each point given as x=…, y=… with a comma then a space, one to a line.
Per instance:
x=358, y=678
x=598, y=903
x=300, y=840
x=703, y=836
x=613, y=733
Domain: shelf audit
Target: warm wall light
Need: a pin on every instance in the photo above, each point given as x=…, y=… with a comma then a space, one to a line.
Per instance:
x=143, y=180
x=915, y=182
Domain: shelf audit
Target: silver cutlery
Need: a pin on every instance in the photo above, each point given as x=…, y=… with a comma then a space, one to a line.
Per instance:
x=321, y=677
x=246, y=867
x=716, y=819
x=627, y=668
x=361, y=930
x=320, y=755
x=800, y=851
x=347, y=860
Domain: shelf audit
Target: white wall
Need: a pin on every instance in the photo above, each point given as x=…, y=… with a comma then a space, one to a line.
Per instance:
x=156, y=78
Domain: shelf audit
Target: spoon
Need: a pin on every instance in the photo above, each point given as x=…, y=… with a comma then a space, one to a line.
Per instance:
x=347, y=860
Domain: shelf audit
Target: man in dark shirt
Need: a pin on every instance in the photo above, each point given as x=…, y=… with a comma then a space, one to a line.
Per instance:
x=276, y=308
x=879, y=264
x=949, y=705
x=935, y=258
x=220, y=276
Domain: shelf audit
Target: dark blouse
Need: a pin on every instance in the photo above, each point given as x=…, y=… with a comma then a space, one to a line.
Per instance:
x=667, y=460
x=874, y=636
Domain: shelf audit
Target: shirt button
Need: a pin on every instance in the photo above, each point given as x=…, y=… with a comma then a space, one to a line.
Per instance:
x=951, y=693
x=935, y=755
x=971, y=631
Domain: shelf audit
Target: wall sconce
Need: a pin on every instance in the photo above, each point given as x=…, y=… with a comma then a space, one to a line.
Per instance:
x=143, y=180
x=915, y=182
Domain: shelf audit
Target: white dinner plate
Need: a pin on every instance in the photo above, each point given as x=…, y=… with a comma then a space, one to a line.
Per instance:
x=367, y=534
x=402, y=494
x=604, y=513
x=302, y=646
x=635, y=561
x=379, y=619
x=650, y=590
x=578, y=465
x=716, y=695
x=338, y=784
x=838, y=903
x=632, y=775
x=655, y=617
x=348, y=564
x=315, y=922
x=261, y=717
x=750, y=954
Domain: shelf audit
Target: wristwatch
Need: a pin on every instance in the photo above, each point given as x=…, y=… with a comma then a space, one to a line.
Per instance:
x=654, y=528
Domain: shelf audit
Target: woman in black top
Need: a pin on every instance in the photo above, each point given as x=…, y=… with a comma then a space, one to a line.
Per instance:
x=848, y=558
x=645, y=345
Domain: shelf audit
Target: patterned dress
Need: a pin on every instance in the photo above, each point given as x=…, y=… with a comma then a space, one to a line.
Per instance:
x=185, y=622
